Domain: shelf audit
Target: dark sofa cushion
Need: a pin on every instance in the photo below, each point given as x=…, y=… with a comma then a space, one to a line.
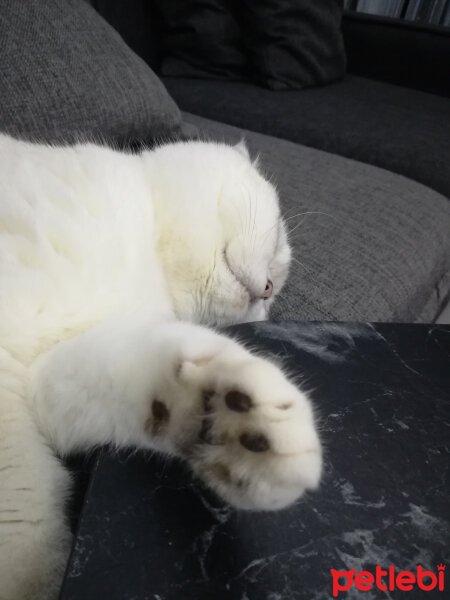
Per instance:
x=293, y=45
x=65, y=74
x=403, y=130
x=368, y=245
x=201, y=39
x=279, y=43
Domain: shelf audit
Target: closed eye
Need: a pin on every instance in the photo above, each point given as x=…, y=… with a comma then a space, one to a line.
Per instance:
x=267, y=293
x=225, y=258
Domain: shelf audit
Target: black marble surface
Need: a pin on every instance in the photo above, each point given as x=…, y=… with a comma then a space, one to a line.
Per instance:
x=148, y=531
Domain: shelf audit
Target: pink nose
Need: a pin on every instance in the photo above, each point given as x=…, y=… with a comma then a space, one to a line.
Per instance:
x=269, y=289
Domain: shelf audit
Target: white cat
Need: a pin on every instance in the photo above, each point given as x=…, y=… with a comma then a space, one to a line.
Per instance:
x=111, y=266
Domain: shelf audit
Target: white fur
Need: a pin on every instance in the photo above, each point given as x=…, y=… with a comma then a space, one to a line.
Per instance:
x=110, y=266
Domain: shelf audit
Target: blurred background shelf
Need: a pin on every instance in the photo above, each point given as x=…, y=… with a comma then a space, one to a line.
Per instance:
x=432, y=12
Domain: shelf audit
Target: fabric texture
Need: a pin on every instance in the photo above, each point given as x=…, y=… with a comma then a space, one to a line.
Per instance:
x=293, y=45
x=65, y=74
x=369, y=245
x=280, y=44
x=403, y=130
x=201, y=39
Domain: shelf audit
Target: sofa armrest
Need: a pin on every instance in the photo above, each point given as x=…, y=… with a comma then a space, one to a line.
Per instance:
x=397, y=51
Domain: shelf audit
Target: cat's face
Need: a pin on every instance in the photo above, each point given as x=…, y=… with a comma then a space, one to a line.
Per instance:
x=221, y=238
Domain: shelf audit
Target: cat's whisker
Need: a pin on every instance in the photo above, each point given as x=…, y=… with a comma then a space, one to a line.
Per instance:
x=266, y=233
x=248, y=215
x=308, y=269
x=291, y=231
x=286, y=219
x=253, y=235
x=303, y=220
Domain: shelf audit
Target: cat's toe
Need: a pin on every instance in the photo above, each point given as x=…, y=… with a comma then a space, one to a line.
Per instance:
x=254, y=441
x=258, y=446
x=238, y=401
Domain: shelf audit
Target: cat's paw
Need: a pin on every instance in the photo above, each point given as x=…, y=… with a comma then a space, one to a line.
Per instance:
x=256, y=442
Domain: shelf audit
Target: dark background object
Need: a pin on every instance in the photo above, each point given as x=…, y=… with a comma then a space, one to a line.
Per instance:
x=148, y=531
x=138, y=23
x=435, y=12
x=201, y=38
x=293, y=45
x=278, y=43
x=414, y=55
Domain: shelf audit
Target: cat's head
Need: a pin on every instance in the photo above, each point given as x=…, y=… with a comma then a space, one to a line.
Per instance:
x=220, y=234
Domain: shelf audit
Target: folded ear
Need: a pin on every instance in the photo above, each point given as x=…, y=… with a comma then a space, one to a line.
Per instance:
x=241, y=147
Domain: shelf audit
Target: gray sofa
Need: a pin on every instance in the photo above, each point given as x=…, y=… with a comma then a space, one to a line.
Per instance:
x=368, y=205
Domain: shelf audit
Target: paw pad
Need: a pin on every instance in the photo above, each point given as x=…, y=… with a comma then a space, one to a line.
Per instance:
x=205, y=432
x=161, y=416
x=238, y=401
x=255, y=442
x=285, y=406
x=207, y=395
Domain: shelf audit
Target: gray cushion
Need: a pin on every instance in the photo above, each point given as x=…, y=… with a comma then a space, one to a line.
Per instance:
x=66, y=74
x=403, y=130
x=279, y=43
x=371, y=245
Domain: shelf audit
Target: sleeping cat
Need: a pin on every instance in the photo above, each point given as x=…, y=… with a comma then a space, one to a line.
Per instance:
x=114, y=270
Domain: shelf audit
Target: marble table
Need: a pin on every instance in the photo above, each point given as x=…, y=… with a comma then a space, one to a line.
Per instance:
x=149, y=531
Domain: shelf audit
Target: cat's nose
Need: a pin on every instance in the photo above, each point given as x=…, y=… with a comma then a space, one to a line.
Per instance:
x=268, y=290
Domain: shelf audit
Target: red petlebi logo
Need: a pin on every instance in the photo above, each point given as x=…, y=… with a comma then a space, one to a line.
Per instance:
x=388, y=579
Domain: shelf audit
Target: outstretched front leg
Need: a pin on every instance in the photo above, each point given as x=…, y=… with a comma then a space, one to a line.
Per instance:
x=182, y=389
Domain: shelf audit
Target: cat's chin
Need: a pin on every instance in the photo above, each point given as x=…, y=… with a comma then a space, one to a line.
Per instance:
x=257, y=311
